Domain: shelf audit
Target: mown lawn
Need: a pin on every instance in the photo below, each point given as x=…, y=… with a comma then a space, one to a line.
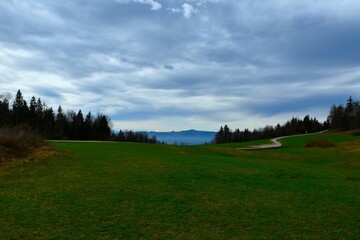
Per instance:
x=138, y=191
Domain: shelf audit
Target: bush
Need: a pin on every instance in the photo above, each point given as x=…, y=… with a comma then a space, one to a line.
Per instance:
x=355, y=133
x=16, y=141
x=320, y=143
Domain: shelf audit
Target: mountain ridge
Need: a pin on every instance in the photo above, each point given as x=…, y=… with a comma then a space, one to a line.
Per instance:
x=187, y=137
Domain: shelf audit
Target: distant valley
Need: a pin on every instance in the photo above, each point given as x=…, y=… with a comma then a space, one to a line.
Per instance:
x=187, y=137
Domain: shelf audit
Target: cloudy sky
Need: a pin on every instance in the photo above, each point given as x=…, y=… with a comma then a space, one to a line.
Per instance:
x=174, y=64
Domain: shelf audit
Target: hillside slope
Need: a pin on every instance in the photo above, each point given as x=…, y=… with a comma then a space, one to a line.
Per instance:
x=142, y=191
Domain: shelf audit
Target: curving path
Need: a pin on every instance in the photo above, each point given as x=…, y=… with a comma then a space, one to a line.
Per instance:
x=275, y=143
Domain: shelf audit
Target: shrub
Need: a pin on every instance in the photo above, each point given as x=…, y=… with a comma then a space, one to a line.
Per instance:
x=16, y=141
x=320, y=143
x=355, y=133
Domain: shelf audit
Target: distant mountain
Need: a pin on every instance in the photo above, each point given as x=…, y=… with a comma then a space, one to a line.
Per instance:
x=188, y=137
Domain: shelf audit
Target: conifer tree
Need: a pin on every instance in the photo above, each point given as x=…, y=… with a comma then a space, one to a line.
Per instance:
x=121, y=136
x=19, y=109
x=236, y=136
x=88, y=123
x=5, y=114
x=227, y=134
x=61, y=124
x=349, y=114
x=48, y=121
x=32, y=112
x=219, y=137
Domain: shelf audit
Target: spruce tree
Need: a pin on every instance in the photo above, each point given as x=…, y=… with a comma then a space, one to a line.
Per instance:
x=79, y=126
x=121, y=136
x=61, y=124
x=32, y=112
x=39, y=114
x=219, y=137
x=236, y=136
x=349, y=114
x=5, y=114
x=227, y=134
x=48, y=123
x=19, y=109
x=88, y=125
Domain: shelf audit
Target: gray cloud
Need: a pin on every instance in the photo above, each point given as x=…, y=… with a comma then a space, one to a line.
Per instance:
x=169, y=67
x=154, y=4
x=195, y=63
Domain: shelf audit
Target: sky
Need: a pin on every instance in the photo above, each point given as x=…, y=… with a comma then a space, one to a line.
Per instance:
x=176, y=65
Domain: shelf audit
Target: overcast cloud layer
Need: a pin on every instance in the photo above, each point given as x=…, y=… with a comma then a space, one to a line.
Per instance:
x=173, y=65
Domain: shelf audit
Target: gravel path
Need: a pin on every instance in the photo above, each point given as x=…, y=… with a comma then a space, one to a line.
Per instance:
x=275, y=143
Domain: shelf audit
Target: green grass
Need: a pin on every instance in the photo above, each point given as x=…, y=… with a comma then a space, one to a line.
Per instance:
x=139, y=191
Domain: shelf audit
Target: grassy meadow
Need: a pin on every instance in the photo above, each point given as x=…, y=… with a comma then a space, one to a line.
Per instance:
x=144, y=191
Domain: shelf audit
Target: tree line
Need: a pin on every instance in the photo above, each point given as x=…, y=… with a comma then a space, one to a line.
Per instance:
x=345, y=118
x=131, y=136
x=60, y=125
x=291, y=127
x=341, y=118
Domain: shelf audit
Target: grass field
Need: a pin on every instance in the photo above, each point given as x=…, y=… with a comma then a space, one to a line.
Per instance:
x=139, y=191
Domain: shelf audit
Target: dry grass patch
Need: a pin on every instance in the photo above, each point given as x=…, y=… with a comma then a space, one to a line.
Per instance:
x=319, y=143
x=355, y=132
x=353, y=146
x=19, y=142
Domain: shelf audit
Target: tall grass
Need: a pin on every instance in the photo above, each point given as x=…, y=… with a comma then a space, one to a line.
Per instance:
x=16, y=141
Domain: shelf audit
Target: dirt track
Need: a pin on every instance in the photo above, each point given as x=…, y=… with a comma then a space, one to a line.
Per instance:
x=275, y=143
